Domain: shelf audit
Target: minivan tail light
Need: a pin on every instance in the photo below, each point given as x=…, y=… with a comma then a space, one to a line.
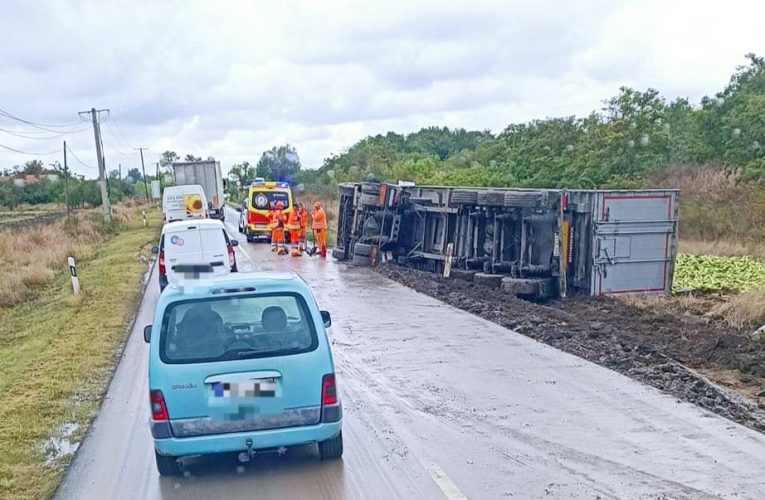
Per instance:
x=231, y=256
x=328, y=390
x=158, y=406
x=162, y=269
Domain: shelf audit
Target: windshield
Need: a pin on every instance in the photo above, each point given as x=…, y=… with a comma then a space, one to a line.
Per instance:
x=262, y=199
x=228, y=328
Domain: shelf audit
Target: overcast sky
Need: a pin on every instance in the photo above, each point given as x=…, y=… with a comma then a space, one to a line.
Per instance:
x=233, y=78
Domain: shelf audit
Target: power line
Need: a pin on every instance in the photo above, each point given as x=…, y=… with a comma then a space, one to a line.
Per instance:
x=119, y=129
x=28, y=152
x=38, y=138
x=78, y=159
x=42, y=126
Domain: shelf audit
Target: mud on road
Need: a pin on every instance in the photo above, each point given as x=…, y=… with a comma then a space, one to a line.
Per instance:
x=667, y=349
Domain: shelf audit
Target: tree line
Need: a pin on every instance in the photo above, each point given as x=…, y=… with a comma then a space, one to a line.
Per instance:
x=634, y=134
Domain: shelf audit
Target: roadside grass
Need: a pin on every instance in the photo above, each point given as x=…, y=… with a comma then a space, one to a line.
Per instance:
x=58, y=352
x=32, y=256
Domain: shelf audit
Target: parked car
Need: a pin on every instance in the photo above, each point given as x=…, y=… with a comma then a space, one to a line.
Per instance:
x=241, y=364
x=184, y=202
x=243, y=217
x=197, y=242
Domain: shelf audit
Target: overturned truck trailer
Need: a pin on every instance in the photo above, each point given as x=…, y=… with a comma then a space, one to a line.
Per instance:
x=534, y=243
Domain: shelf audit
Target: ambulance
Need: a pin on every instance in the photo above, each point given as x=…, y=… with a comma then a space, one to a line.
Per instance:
x=261, y=196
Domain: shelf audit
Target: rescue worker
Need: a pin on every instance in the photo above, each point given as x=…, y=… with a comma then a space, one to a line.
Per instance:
x=272, y=224
x=320, y=228
x=277, y=229
x=303, y=225
x=293, y=226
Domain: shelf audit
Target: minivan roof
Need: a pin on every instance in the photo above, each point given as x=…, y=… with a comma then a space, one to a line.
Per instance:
x=247, y=279
x=185, y=224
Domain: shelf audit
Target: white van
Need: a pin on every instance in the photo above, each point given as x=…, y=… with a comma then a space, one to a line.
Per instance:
x=184, y=202
x=194, y=243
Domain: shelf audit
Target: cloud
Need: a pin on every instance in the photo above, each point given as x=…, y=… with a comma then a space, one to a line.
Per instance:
x=234, y=78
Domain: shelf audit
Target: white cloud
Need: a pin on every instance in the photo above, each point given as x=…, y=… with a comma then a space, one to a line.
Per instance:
x=234, y=78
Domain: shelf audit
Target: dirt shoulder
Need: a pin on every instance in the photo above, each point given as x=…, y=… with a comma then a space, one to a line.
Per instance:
x=668, y=347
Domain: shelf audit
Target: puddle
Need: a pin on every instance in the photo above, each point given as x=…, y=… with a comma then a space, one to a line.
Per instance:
x=59, y=445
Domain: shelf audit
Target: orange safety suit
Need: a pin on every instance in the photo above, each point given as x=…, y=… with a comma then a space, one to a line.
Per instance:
x=276, y=219
x=293, y=226
x=320, y=227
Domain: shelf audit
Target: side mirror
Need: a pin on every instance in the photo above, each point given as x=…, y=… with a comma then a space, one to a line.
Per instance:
x=147, y=333
x=234, y=243
x=326, y=318
x=155, y=249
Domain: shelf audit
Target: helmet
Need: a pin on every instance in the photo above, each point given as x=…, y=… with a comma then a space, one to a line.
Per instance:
x=317, y=205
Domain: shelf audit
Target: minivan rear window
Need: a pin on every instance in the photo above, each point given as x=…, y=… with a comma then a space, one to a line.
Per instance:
x=236, y=327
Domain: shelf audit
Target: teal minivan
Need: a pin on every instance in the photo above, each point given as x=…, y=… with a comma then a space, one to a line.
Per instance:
x=241, y=363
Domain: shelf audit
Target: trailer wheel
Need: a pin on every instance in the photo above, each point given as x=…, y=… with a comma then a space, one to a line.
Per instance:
x=361, y=260
x=491, y=198
x=338, y=253
x=521, y=287
x=462, y=274
x=464, y=197
x=362, y=249
x=402, y=260
x=488, y=280
x=522, y=199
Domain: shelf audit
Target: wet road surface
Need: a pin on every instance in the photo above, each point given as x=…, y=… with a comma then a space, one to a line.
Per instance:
x=438, y=403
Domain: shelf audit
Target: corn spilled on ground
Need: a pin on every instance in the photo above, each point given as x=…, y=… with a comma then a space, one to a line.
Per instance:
x=711, y=273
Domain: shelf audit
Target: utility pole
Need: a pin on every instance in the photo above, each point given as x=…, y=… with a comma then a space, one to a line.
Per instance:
x=143, y=167
x=66, y=183
x=159, y=178
x=120, y=170
x=101, y=163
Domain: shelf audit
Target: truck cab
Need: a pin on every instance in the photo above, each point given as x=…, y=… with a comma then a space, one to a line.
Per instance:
x=260, y=197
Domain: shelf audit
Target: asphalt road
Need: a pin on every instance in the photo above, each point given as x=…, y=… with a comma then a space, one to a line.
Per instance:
x=440, y=404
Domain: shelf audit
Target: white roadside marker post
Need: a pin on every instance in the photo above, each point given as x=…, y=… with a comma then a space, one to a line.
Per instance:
x=143, y=216
x=73, y=273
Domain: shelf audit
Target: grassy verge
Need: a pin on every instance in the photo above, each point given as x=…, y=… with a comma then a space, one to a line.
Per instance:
x=58, y=351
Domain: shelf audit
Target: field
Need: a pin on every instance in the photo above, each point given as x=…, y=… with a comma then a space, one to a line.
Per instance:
x=29, y=216
x=58, y=350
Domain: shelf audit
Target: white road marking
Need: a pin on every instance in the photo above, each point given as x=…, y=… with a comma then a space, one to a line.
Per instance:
x=446, y=485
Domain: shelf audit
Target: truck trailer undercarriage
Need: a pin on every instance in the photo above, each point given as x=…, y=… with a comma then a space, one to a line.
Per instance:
x=534, y=243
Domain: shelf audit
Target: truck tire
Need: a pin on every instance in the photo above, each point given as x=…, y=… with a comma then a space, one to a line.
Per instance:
x=402, y=260
x=464, y=197
x=370, y=188
x=361, y=260
x=362, y=249
x=488, y=280
x=521, y=287
x=331, y=448
x=167, y=465
x=522, y=199
x=491, y=198
x=338, y=253
x=371, y=200
x=462, y=274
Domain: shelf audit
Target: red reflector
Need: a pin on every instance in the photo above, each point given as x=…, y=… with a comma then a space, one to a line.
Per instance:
x=328, y=390
x=158, y=407
x=231, y=256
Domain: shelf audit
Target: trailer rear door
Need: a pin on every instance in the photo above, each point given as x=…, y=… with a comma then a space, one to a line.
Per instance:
x=634, y=245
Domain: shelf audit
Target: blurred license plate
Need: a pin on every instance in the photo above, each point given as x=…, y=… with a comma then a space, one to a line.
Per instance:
x=259, y=389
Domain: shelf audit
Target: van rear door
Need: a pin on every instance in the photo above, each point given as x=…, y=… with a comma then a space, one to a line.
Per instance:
x=214, y=249
x=269, y=375
x=183, y=245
